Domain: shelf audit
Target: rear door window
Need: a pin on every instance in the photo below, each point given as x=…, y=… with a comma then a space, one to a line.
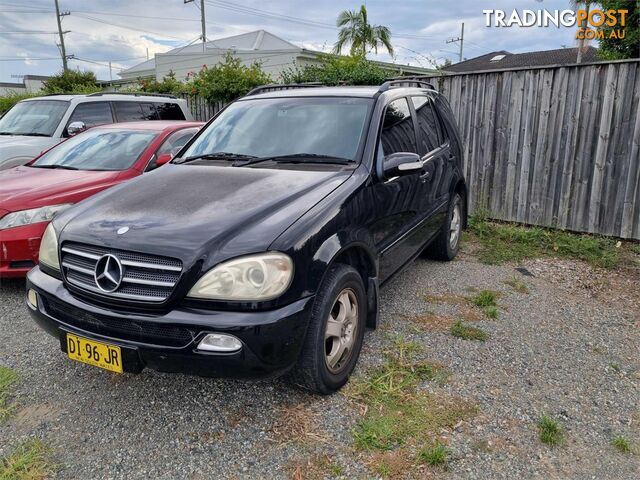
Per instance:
x=431, y=135
x=92, y=114
x=398, y=133
x=128, y=111
x=169, y=111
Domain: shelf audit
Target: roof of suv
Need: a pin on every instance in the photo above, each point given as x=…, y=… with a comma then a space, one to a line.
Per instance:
x=347, y=91
x=106, y=96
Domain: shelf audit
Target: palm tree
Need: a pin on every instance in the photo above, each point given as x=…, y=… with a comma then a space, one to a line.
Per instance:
x=582, y=42
x=363, y=37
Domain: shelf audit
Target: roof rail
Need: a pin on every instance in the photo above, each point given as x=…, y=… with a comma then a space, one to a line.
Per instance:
x=135, y=94
x=405, y=82
x=274, y=87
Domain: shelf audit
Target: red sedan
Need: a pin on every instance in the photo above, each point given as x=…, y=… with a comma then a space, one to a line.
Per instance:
x=86, y=164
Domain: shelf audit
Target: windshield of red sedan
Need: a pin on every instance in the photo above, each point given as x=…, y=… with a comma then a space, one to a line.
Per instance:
x=98, y=149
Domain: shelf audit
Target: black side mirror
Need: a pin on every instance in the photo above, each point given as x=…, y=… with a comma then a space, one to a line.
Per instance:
x=401, y=163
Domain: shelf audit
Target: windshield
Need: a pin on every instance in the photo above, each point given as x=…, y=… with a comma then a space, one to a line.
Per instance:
x=275, y=127
x=37, y=118
x=98, y=149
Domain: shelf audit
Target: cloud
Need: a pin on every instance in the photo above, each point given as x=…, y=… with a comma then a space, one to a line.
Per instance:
x=122, y=31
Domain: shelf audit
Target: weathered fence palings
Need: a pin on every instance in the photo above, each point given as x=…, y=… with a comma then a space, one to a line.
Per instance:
x=557, y=147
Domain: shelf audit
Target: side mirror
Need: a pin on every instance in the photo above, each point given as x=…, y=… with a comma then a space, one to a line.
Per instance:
x=75, y=128
x=401, y=163
x=162, y=159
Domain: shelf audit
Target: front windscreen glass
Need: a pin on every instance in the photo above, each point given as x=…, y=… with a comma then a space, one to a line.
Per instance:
x=330, y=127
x=38, y=118
x=98, y=149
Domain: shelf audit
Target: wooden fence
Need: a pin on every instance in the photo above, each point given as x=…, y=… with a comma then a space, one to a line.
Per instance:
x=556, y=146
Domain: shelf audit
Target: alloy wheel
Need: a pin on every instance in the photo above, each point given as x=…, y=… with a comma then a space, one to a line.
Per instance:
x=341, y=330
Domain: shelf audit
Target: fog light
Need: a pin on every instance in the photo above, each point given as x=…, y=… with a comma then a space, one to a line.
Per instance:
x=218, y=342
x=32, y=299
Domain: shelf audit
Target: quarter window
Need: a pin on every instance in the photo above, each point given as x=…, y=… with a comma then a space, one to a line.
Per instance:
x=92, y=114
x=431, y=132
x=398, y=133
x=169, y=111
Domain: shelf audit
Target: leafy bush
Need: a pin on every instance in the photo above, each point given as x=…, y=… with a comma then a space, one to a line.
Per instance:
x=169, y=84
x=227, y=80
x=355, y=70
x=10, y=100
x=71, y=81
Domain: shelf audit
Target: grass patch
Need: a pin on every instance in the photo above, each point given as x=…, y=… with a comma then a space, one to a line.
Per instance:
x=29, y=461
x=435, y=456
x=487, y=301
x=466, y=332
x=7, y=379
x=397, y=414
x=517, y=285
x=485, y=298
x=622, y=444
x=499, y=243
x=549, y=431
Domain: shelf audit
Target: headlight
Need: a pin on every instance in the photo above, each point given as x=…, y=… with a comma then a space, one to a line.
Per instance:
x=49, y=248
x=252, y=278
x=34, y=215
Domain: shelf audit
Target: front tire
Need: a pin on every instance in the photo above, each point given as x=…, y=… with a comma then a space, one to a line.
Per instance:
x=447, y=243
x=335, y=333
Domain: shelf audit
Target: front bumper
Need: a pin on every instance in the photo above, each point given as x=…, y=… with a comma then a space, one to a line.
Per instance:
x=19, y=248
x=167, y=342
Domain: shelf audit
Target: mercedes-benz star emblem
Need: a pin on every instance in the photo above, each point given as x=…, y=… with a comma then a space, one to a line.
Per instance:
x=108, y=273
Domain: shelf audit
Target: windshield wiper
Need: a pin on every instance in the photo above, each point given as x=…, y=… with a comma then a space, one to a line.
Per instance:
x=297, y=158
x=217, y=156
x=54, y=167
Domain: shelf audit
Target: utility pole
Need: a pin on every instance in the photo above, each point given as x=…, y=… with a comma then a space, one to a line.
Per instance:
x=459, y=39
x=63, y=51
x=204, y=23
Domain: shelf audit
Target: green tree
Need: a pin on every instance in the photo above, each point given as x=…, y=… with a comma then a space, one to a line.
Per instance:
x=227, y=80
x=356, y=30
x=169, y=84
x=71, y=81
x=338, y=70
x=629, y=46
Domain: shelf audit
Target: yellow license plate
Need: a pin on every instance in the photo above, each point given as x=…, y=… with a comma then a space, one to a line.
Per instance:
x=94, y=353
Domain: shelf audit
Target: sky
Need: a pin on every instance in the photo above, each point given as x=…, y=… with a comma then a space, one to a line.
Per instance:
x=123, y=32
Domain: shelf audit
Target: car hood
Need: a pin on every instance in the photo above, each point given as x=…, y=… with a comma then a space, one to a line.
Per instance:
x=22, y=148
x=194, y=213
x=25, y=187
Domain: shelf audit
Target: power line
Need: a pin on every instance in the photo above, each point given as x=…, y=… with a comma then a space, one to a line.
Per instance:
x=126, y=27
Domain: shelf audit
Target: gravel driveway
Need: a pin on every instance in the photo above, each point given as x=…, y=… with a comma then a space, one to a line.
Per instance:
x=559, y=349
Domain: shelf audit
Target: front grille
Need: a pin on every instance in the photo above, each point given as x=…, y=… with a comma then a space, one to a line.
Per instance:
x=124, y=329
x=147, y=278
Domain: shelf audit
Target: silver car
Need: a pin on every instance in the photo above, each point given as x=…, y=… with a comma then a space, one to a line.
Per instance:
x=36, y=124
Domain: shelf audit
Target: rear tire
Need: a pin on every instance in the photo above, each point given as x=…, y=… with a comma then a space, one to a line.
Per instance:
x=446, y=245
x=335, y=333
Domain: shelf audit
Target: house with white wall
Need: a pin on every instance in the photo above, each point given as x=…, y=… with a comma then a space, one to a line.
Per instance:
x=273, y=53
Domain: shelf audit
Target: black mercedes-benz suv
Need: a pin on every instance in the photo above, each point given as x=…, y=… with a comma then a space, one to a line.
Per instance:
x=260, y=249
